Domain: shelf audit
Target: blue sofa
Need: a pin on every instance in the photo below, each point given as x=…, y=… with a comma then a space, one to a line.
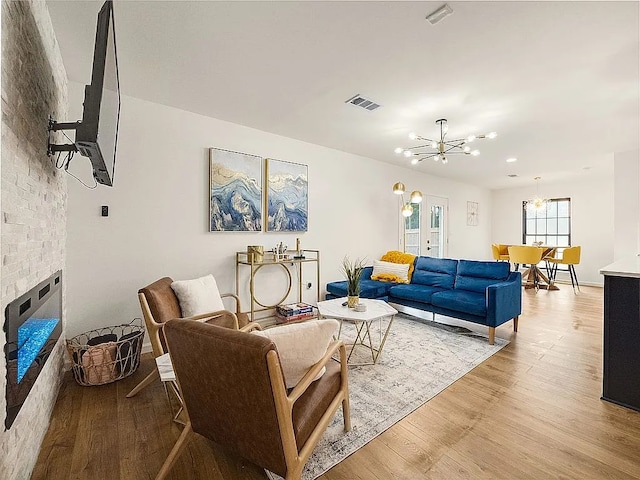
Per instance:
x=487, y=293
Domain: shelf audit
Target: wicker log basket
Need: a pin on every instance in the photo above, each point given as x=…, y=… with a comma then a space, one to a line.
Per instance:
x=106, y=354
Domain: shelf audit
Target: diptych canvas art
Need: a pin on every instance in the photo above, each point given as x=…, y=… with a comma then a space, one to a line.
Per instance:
x=237, y=194
x=287, y=196
x=235, y=191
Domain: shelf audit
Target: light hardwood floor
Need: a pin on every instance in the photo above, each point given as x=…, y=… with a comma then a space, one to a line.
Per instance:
x=532, y=411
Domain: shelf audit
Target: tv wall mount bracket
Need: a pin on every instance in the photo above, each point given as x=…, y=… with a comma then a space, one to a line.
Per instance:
x=53, y=148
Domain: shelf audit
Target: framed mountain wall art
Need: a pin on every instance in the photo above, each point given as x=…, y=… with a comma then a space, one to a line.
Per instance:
x=287, y=200
x=235, y=191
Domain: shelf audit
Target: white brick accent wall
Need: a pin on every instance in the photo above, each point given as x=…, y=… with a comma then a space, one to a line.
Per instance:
x=33, y=205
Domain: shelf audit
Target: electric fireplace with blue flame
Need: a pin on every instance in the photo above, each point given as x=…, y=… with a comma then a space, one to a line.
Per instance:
x=32, y=336
x=33, y=326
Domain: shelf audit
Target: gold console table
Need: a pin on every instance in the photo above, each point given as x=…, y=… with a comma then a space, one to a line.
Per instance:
x=288, y=262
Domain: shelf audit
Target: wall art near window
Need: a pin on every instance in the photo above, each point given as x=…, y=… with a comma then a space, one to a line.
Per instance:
x=472, y=214
x=287, y=196
x=235, y=191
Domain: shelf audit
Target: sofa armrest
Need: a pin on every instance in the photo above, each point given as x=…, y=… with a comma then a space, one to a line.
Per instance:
x=504, y=300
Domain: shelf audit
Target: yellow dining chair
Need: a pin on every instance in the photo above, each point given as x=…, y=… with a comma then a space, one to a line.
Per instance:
x=570, y=257
x=500, y=252
x=547, y=265
x=526, y=255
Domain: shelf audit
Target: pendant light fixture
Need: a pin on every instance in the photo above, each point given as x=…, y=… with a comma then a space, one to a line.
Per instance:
x=538, y=203
x=415, y=197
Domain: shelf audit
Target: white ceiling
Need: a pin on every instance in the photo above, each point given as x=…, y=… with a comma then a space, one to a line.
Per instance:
x=558, y=81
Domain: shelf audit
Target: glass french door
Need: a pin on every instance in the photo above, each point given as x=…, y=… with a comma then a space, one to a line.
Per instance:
x=425, y=231
x=412, y=229
x=435, y=216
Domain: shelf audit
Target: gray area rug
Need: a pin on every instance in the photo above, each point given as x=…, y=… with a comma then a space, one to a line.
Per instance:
x=419, y=360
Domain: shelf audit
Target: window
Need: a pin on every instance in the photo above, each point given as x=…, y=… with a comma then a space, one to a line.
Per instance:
x=436, y=214
x=551, y=226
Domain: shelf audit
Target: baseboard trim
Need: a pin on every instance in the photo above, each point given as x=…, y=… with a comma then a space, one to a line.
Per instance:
x=586, y=284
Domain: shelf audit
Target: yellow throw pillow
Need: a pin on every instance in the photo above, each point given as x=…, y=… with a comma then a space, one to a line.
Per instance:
x=390, y=272
x=396, y=256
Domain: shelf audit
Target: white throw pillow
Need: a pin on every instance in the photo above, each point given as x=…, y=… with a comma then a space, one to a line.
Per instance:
x=398, y=272
x=198, y=296
x=300, y=346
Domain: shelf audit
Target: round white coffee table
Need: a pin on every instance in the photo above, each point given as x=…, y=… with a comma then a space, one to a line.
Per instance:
x=377, y=310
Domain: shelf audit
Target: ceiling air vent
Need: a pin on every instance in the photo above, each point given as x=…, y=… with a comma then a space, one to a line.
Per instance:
x=359, y=101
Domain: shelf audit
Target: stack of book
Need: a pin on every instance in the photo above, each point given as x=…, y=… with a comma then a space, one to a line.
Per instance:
x=293, y=312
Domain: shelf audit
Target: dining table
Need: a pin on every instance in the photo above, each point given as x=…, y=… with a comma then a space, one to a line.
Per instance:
x=544, y=281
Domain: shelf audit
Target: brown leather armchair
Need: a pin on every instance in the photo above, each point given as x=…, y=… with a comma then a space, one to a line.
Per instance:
x=235, y=395
x=159, y=304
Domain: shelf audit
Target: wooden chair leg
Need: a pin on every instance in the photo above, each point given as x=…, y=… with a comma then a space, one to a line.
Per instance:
x=175, y=451
x=346, y=413
x=515, y=323
x=492, y=335
x=294, y=473
x=144, y=383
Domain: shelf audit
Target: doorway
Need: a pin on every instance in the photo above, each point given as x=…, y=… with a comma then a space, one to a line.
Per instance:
x=425, y=231
x=412, y=228
x=435, y=218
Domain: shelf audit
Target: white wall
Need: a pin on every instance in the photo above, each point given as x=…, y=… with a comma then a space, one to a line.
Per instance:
x=591, y=219
x=158, y=211
x=627, y=204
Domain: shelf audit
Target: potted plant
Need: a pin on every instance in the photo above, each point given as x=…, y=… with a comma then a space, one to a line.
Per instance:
x=353, y=272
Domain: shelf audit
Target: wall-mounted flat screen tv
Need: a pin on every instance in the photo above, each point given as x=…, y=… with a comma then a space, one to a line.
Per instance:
x=97, y=133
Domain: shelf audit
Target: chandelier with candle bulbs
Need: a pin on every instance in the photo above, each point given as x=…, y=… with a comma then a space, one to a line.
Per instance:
x=439, y=150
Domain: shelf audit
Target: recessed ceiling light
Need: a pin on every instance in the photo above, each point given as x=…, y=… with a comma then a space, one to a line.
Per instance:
x=512, y=159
